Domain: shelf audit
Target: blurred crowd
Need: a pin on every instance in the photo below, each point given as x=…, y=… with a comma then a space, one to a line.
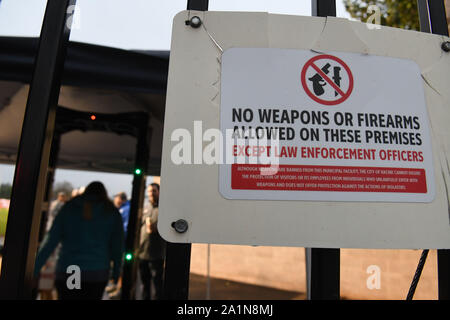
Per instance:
x=83, y=250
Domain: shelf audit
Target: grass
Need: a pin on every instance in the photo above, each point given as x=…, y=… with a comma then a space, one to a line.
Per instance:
x=3, y=218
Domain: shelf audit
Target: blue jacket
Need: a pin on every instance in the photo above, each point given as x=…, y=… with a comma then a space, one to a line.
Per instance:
x=125, y=213
x=90, y=243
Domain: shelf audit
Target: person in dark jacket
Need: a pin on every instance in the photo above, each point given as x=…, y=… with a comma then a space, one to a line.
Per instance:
x=90, y=231
x=152, y=248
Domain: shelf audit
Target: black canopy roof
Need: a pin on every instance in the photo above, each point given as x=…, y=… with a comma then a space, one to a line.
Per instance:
x=95, y=79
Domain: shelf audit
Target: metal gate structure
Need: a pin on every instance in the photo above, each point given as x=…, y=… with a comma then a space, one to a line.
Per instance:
x=37, y=157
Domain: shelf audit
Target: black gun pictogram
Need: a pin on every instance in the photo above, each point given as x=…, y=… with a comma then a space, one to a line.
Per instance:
x=318, y=82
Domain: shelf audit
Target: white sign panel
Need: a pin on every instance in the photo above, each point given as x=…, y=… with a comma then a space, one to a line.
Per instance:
x=342, y=127
x=359, y=130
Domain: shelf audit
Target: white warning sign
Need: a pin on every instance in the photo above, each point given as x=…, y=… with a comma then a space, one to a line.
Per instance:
x=335, y=127
x=305, y=131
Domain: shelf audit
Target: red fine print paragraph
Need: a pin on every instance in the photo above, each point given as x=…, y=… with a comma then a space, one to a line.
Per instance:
x=329, y=178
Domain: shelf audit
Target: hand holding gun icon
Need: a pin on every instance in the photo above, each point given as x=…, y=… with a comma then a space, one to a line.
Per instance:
x=318, y=82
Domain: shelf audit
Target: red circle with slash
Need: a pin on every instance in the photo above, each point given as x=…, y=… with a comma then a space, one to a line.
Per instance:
x=311, y=64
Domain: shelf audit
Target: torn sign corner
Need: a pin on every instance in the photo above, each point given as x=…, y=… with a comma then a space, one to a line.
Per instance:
x=331, y=39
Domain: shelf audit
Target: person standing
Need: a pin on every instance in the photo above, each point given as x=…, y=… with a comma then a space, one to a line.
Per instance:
x=90, y=231
x=123, y=205
x=47, y=275
x=152, y=248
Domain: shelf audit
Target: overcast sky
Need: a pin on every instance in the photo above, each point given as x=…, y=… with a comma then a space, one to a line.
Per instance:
x=131, y=24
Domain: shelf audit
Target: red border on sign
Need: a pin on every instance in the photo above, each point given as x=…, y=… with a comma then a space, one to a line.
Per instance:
x=309, y=63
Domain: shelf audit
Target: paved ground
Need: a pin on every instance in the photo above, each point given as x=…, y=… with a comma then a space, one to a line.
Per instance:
x=232, y=290
x=229, y=290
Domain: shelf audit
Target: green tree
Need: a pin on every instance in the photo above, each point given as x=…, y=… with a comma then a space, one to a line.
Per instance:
x=394, y=13
x=5, y=191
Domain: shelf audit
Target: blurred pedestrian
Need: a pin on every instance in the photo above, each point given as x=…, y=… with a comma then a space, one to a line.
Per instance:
x=152, y=248
x=122, y=203
x=47, y=276
x=55, y=206
x=74, y=193
x=90, y=231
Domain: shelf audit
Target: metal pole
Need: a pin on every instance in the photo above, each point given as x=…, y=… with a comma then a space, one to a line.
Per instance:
x=438, y=25
x=137, y=198
x=308, y=272
x=424, y=17
x=22, y=231
x=443, y=274
x=323, y=265
x=200, y=5
x=178, y=256
x=324, y=276
x=54, y=151
x=323, y=8
x=438, y=18
x=208, y=272
x=416, y=278
x=176, y=271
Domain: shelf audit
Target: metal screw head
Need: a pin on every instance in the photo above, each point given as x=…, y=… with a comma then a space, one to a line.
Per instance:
x=446, y=46
x=195, y=22
x=180, y=226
